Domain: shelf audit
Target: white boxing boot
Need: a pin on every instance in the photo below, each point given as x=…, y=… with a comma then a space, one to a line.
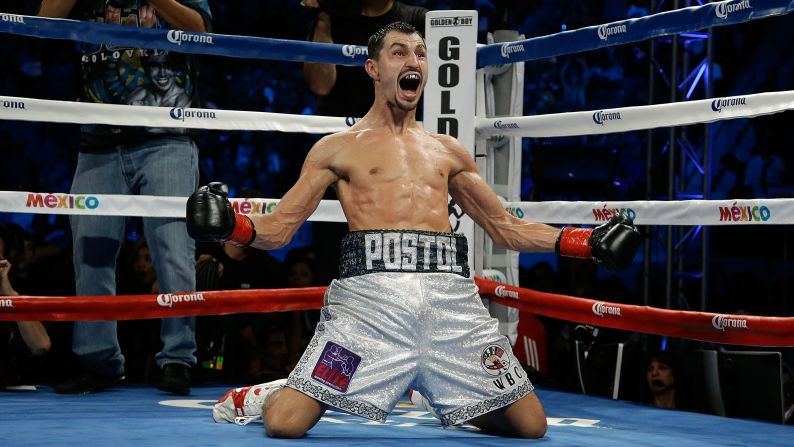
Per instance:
x=422, y=402
x=244, y=405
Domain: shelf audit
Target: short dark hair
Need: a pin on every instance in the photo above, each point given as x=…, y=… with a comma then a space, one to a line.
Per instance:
x=375, y=42
x=664, y=357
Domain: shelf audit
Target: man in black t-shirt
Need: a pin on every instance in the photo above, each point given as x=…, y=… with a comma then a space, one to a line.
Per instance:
x=347, y=90
x=241, y=339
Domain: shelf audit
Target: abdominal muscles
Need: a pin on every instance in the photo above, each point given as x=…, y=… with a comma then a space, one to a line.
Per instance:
x=399, y=204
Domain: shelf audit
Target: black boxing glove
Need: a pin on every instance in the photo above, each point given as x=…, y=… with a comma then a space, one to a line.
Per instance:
x=210, y=217
x=612, y=245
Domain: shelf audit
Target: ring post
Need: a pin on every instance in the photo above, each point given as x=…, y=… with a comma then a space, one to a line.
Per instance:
x=451, y=38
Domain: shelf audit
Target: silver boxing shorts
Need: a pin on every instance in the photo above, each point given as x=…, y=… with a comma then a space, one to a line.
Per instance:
x=405, y=315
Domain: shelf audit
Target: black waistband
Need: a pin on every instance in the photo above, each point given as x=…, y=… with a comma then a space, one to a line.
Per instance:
x=407, y=251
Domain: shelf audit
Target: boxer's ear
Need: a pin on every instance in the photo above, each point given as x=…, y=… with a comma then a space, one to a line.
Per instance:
x=371, y=66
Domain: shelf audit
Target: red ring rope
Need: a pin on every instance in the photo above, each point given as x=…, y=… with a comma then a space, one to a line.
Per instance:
x=134, y=307
x=746, y=330
x=722, y=328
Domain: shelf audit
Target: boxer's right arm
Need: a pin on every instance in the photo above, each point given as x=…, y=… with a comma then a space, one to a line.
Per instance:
x=210, y=216
x=58, y=9
x=276, y=230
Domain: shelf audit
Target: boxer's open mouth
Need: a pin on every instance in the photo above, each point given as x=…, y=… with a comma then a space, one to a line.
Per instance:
x=410, y=81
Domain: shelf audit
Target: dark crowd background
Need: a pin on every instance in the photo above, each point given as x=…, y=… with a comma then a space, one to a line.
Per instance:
x=751, y=268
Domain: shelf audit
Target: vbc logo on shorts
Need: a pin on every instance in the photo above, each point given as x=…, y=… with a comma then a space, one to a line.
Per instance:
x=495, y=360
x=335, y=367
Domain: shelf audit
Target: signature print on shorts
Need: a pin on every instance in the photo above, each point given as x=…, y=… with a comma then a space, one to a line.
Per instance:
x=495, y=360
x=335, y=367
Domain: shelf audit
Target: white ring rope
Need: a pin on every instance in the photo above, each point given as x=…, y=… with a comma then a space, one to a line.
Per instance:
x=686, y=212
x=638, y=118
x=139, y=205
x=551, y=125
x=648, y=212
x=28, y=109
x=694, y=212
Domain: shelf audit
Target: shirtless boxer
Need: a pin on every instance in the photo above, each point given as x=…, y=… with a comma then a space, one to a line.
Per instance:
x=405, y=310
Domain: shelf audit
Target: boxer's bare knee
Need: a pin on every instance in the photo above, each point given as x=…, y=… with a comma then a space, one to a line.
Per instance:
x=523, y=418
x=288, y=413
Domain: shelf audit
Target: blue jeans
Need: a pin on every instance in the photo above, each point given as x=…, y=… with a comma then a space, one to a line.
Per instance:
x=166, y=166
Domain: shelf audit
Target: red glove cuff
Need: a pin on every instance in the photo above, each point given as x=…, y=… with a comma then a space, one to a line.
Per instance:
x=243, y=233
x=574, y=242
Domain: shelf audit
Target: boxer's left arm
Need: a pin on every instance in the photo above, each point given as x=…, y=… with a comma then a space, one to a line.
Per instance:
x=612, y=245
x=477, y=199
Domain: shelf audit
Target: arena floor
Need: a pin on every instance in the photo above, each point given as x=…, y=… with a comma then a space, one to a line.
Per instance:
x=144, y=416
